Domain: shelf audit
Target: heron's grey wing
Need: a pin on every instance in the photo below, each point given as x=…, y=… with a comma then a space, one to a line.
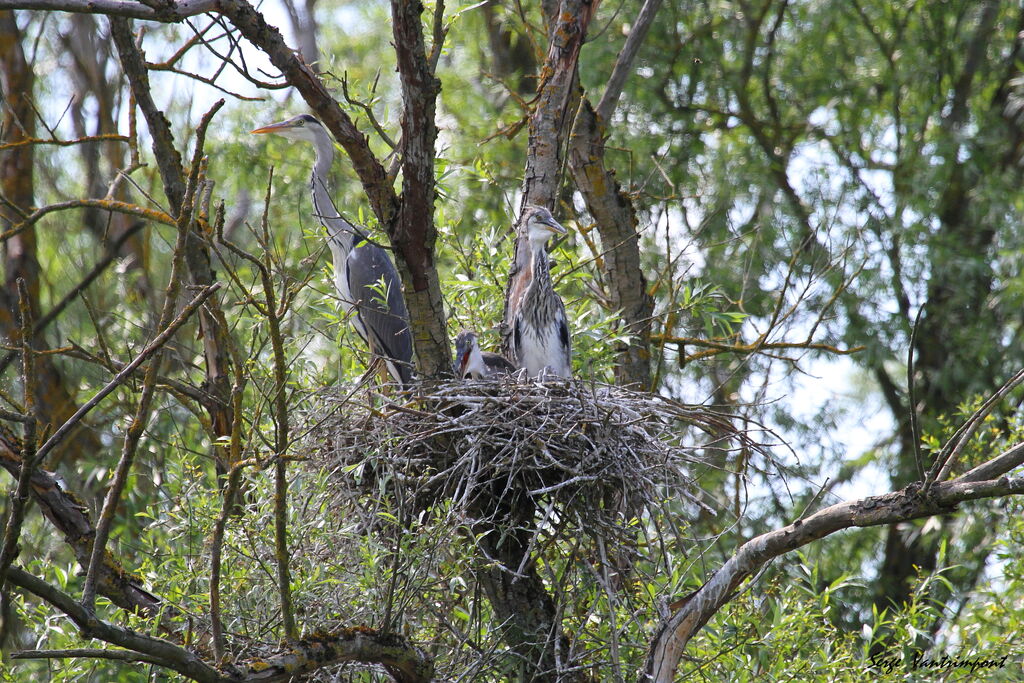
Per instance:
x=498, y=363
x=383, y=313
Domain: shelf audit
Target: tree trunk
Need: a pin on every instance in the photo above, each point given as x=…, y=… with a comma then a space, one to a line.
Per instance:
x=615, y=215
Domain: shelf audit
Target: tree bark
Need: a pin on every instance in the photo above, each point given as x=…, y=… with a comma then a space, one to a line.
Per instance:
x=515, y=590
x=413, y=233
x=615, y=216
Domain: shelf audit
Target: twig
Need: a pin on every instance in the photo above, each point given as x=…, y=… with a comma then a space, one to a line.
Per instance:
x=89, y=278
x=217, y=546
x=142, y=413
x=128, y=369
x=29, y=457
x=915, y=427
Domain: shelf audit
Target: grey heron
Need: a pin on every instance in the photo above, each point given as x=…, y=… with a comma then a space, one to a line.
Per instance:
x=367, y=282
x=472, y=363
x=539, y=336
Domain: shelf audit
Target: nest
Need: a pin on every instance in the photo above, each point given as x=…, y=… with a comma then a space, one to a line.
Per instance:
x=595, y=452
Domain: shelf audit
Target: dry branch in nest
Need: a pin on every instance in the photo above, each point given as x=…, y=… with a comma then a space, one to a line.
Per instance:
x=592, y=451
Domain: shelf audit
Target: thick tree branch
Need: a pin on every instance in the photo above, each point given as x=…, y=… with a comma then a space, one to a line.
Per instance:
x=898, y=506
x=624, y=62
x=169, y=12
x=615, y=215
x=169, y=654
x=413, y=233
x=87, y=652
x=405, y=662
x=70, y=517
x=252, y=25
x=552, y=115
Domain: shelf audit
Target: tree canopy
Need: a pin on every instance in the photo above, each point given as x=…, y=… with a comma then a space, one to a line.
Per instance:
x=793, y=282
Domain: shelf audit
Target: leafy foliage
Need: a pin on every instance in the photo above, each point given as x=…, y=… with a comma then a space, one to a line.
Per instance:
x=827, y=176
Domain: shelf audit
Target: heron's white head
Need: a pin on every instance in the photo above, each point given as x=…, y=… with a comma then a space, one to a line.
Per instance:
x=302, y=127
x=541, y=225
x=468, y=358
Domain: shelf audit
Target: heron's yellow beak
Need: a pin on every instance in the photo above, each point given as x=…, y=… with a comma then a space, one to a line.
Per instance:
x=272, y=128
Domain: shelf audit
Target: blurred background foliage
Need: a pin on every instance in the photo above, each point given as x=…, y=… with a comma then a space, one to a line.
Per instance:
x=822, y=172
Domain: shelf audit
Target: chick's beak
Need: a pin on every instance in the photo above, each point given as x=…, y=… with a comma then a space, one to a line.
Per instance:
x=272, y=128
x=555, y=226
x=460, y=363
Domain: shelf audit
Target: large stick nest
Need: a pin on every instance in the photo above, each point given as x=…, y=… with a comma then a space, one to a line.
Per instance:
x=579, y=445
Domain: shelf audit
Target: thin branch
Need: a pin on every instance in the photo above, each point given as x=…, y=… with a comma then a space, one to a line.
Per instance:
x=29, y=457
x=128, y=369
x=134, y=433
x=952, y=449
x=89, y=653
x=715, y=347
x=71, y=519
x=368, y=110
x=217, y=545
x=915, y=427
x=997, y=466
x=280, y=415
x=107, y=137
x=105, y=204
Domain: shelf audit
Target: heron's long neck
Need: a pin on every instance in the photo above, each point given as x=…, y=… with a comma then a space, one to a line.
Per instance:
x=541, y=268
x=540, y=284
x=340, y=232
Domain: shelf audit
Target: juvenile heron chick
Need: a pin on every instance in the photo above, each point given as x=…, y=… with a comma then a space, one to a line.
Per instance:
x=367, y=282
x=472, y=363
x=538, y=338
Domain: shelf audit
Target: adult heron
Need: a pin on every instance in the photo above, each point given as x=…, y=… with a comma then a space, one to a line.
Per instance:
x=472, y=363
x=367, y=282
x=538, y=335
